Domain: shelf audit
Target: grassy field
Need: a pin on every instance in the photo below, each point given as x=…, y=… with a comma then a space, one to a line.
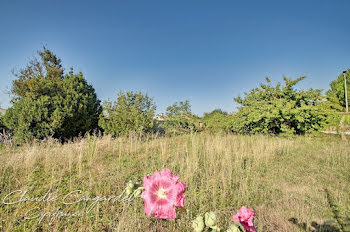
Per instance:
x=293, y=184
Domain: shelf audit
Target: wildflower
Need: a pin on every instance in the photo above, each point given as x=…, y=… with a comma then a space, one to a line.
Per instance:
x=245, y=217
x=162, y=193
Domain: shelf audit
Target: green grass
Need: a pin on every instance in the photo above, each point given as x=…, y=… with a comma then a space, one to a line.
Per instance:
x=347, y=120
x=299, y=184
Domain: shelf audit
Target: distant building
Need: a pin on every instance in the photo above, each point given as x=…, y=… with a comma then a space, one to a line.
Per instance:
x=159, y=117
x=2, y=111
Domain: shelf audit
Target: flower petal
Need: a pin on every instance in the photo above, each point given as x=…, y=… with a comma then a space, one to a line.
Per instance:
x=165, y=212
x=245, y=216
x=167, y=173
x=148, y=205
x=181, y=187
x=147, y=182
x=180, y=200
x=162, y=192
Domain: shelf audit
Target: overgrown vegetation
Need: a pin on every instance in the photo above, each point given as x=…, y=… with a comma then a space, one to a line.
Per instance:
x=130, y=113
x=2, y=126
x=218, y=121
x=336, y=94
x=293, y=184
x=180, y=120
x=300, y=184
x=49, y=103
x=279, y=110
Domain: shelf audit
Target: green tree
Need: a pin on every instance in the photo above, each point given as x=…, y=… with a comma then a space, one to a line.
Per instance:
x=2, y=126
x=336, y=94
x=216, y=111
x=48, y=102
x=217, y=121
x=132, y=112
x=279, y=110
x=182, y=108
x=39, y=78
x=80, y=106
x=180, y=119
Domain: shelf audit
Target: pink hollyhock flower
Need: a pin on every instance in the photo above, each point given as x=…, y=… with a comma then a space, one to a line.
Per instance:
x=162, y=193
x=245, y=217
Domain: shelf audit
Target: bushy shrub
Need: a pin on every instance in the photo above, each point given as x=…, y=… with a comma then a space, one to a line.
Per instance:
x=180, y=120
x=182, y=108
x=217, y=121
x=177, y=125
x=2, y=126
x=336, y=94
x=279, y=110
x=48, y=102
x=132, y=112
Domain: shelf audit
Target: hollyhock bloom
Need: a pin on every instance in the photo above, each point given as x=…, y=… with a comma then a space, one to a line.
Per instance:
x=245, y=217
x=162, y=193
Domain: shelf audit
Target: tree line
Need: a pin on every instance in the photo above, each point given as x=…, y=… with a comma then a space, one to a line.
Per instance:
x=49, y=102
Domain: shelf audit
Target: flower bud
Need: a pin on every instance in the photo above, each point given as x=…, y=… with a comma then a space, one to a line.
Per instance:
x=235, y=227
x=198, y=224
x=130, y=185
x=210, y=219
x=137, y=192
x=128, y=191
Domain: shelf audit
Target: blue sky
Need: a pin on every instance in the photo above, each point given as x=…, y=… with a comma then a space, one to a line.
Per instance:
x=205, y=51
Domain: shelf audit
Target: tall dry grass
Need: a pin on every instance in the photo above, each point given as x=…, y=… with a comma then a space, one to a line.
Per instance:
x=292, y=184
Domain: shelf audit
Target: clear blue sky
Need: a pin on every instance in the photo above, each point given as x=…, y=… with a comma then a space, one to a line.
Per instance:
x=205, y=51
